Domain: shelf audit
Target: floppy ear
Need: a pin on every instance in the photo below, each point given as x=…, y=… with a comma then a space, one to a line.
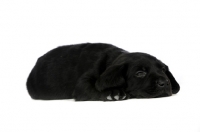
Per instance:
x=175, y=85
x=112, y=77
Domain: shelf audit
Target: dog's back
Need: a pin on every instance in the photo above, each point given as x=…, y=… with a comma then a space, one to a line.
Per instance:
x=56, y=73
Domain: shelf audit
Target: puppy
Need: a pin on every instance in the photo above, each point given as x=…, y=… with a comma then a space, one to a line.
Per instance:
x=91, y=72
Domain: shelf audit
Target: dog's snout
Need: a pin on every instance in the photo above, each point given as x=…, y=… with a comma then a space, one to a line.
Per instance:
x=162, y=83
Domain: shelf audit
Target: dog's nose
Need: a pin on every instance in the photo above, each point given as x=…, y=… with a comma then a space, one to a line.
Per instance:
x=162, y=83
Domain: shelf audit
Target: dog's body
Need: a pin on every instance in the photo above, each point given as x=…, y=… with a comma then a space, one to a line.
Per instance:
x=99, y=72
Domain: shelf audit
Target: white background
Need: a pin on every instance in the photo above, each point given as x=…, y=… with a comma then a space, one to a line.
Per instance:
x=167, y=29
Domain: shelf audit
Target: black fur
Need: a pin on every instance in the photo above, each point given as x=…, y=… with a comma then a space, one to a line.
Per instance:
x=95, y=71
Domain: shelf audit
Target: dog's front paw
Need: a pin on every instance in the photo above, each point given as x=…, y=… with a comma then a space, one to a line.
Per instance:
x=114, y=95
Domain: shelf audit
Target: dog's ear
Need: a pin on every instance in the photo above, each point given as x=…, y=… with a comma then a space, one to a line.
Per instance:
x=112, y=77
x=174, y=83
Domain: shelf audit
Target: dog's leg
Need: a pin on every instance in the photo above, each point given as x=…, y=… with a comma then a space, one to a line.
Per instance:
x=85, y=88
x=85, y=91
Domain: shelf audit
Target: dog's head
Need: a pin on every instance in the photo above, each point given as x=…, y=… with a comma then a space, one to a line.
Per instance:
x=141, y=75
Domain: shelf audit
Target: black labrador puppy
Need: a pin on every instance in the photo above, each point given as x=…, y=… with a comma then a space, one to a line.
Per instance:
x=99, y=72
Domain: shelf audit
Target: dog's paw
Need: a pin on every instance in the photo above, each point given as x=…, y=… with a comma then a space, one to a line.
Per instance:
x=115, y=95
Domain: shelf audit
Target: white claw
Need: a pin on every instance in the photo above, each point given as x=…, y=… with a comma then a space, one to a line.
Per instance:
x=116, y=97
x=124, y=96
x=109, y=97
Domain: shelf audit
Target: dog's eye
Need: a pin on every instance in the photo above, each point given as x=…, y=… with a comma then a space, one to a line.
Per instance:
x=140, y=74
